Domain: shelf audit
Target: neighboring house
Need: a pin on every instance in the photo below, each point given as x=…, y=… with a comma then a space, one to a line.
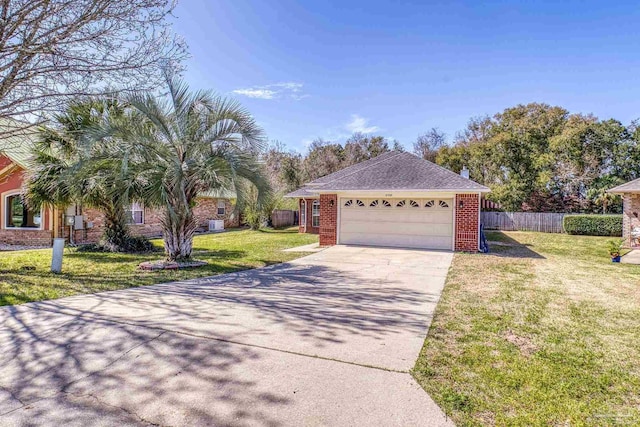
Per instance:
x=395, y=199
x=22, y=226
x=630, y=193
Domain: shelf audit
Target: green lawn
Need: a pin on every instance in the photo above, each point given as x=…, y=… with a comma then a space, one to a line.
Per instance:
x=25, y=276
x=543, y=331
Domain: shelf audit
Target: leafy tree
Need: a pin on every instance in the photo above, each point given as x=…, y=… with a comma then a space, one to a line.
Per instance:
x=66, y=171
x=55, y=50
x=323, y=158
x=360, y=147
x=185, y=145
x=600, y=197
x=428, y=144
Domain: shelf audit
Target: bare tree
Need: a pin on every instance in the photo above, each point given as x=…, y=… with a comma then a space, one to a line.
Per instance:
x=428, y=144
x=52, y=50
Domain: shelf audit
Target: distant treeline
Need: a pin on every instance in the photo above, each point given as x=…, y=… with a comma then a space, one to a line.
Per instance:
x=534, y=157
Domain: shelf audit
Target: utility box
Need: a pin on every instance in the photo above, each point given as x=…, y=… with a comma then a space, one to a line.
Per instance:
x=216, y=225
x=78, y=223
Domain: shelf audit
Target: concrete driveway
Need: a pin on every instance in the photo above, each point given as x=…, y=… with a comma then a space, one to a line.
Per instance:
x=327, y=339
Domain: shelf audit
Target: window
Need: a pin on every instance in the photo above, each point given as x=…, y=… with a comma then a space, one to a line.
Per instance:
x=443, y=204
x=429, y=204
x=137, y=214
x=373, y=204
x=414, y=204
x=222, y=206
x=18, y=215
x=348, y=203
x=386, y=204
x=360, y=203
x=315, y=213
x=400, y=204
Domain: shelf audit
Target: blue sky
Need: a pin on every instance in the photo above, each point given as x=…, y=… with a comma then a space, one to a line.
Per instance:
x=312, y=69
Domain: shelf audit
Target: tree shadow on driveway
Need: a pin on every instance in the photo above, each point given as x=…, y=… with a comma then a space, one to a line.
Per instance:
x=201, y=351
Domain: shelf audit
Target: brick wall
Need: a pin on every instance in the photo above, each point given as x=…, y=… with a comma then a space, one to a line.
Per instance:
x=26, y=237
x=467, y=225
x=10, y=182
x=310, y=228
x=207, y=209
x=328, y=219
x=630, y=205
x=204, y=210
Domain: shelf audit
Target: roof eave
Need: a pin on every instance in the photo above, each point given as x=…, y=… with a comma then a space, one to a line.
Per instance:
x=431, y=190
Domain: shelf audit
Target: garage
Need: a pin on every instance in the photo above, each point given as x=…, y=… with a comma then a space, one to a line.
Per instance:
x=425, y=223
x=394, y=199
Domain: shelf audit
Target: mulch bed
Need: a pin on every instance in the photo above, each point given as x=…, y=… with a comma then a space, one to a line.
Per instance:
x=169, y=265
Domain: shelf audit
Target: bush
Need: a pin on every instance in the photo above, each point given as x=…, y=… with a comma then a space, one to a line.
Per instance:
x=593, y=225
x=132, y=244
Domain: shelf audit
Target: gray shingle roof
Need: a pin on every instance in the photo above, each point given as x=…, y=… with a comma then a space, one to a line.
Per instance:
x=628, y=187
x=17, y=144
x=392, y=171
x=302, y=192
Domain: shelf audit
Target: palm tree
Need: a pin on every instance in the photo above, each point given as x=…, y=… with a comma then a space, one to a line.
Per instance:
x=598, y=191
x=68, y=171
x=183, y=146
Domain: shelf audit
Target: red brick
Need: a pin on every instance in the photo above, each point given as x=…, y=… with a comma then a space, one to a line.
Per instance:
x=467, y=222
x=328, y=219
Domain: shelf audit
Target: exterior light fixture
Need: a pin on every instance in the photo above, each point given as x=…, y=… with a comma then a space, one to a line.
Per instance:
x=461, y=204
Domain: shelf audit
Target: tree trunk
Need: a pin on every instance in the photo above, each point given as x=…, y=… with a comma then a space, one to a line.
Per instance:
x=116, y=229
x=178, y=228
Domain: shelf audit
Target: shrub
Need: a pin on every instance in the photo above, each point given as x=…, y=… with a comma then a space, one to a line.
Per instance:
x=132, y=244
x=614, y=247
x=593, y=225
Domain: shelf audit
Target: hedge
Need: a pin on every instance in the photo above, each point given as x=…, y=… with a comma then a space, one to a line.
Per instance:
x=593, y=225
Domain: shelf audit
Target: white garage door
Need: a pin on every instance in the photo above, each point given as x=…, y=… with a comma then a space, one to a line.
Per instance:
x=407, y=223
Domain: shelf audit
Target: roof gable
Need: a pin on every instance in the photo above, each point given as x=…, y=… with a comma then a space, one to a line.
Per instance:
x=393, y=171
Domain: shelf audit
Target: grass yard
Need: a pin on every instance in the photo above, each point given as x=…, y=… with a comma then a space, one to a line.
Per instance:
x=543, y=331
x=25, y=276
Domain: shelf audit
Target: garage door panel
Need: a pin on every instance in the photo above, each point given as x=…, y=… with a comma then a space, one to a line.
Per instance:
x=412, y=227
x=404, y=241
x=421, y=229
x=396, y=215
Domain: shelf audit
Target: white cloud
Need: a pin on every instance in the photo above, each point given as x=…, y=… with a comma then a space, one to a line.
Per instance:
x=291, y=90
x=256, y=93
x=359, y=124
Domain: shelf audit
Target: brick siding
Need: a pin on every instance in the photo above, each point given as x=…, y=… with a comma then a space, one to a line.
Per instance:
x=26, y=237
x=204, y=210
x=328, y=219
x=630, y=205
x=467, y=226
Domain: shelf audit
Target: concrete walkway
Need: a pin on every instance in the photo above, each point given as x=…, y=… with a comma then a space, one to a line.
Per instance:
x=631, y=257
x=327, y=339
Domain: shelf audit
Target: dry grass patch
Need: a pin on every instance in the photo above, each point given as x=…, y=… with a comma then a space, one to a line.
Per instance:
x=543, y=331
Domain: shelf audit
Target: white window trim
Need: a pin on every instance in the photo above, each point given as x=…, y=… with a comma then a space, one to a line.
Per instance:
x=5, y=220
x=303, y=214
x=137, y=210
x=224, y=207
x=313, y=213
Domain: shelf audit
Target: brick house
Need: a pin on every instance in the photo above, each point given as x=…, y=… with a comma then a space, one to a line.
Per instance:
x=630, y=193
x=395, y=199
x=20, y=225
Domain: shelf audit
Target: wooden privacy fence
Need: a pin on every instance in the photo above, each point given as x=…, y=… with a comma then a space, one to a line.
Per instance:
x=283, y=218
x=523, y=221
